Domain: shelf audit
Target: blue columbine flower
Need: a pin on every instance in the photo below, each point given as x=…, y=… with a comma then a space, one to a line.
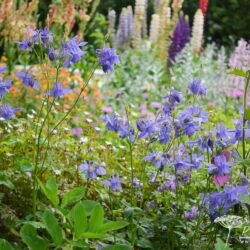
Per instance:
x=2, y=69
x=58, y=91
x=51, y=54
x=147, y=128
x=107, y=58
x=219, y=203
x=165, y=133
x=7, y=112
x=92, y=170
x=27, y=79
x=46, y=37
x=220, y=167
x=126, y=130
x=113, y=123
x=4, y=87
x=25, y=44
x=71, y=49
x=196, y=88
x=192, y=214
x=158, y=158
x=113, y=182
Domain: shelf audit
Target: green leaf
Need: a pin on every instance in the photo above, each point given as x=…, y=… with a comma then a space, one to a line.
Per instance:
x=245, y=198
x=89, y=205
x=31, y=239
x=90, y=235
x=111, y=226
x=238, y=72
x=50, y=190
x=117, y=247
x=96, y=218
x=79, y=218
x=80, y=243
x=6, y=182
x=72, y=196
x=5, y=245
x=220, y=245
x=52, y=227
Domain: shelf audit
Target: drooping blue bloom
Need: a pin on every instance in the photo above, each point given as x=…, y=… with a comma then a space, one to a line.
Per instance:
x=4, y=87
x=171, y=100
x=221, y=132
x=237, y=133
x=196, y=88
x=51, y=54
x=2, y=69
x=220, y=167
x=113, y=123
x=179, y=39
x=92, y=170
x=7, y=112
x=195, y=114
x=71, y=49
x=58, y=91
x=150, y=204
x=219, y=203
x=107, y=58
x=113, y=182
x=127, y=131
x=146, y=127
x=158, y=158
x=165, y=133
x=25, y=44
x=46, y=37
x=192, y=214
x=190, y=128
x=27, y=79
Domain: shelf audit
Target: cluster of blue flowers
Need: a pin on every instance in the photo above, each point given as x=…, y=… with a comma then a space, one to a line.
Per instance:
x=68, y=54
x=6, y=111
x=173, y=122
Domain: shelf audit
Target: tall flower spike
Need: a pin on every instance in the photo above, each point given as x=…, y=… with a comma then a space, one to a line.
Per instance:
x=154, y=29
x=203, y=6
x=239, y=59
x=139, y=18
x=197, y=31
x=179, y=39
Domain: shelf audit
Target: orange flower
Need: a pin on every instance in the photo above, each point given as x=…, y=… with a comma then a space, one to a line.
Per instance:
x=13, y=90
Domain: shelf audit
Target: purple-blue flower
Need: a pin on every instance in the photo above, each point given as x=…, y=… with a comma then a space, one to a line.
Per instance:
x=58, y=91
x=146, y=127
x=113, y=182
x=220, y=167
x=7, y=112
x=127, y=131
x=4, y=87
x=196, y=88
x=113, y=122
x=158, y=158
x=92, y=170
x=165, y=133
x=107, y=58
x=219, y=203
x=46, y=36
x=25, y=44
x=27, y=79
x=71, y=49
x=192, y=214
x=2, y=69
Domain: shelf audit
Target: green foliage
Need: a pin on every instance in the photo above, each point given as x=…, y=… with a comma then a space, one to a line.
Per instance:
x=220, y=245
